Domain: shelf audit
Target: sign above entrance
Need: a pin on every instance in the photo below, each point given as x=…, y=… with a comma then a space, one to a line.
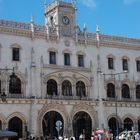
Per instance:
x=58, y=124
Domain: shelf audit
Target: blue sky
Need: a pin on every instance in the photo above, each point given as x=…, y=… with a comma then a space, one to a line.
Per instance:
x=114, y=17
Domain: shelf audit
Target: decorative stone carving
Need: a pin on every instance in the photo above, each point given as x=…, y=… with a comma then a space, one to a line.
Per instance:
x=52, y=106
x=82, y=106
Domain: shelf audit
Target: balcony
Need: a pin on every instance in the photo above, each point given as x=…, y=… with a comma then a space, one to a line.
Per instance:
x=50, y=97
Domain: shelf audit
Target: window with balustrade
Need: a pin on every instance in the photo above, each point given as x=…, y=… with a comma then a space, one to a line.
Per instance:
x=51, y=87
x=80, y=89
x=66, y=88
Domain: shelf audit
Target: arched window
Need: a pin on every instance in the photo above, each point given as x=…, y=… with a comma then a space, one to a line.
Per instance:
x=80, y=89
x=138, y=91
x=51, y=87
x=110, y=90
x=66, y=88
x=14, y=85
x=125, y=91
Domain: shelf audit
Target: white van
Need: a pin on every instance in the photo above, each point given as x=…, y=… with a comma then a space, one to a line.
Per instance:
x=124, y=134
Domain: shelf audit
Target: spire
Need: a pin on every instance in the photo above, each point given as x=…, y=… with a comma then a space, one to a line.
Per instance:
x=32, y=26
x=85, y=28
x=85, y=33
x=97, y=35
x=97, y=29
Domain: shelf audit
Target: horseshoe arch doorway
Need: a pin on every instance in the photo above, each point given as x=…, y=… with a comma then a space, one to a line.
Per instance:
x=52, y=125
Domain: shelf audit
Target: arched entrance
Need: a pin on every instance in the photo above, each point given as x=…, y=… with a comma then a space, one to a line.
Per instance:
x=82, y=124
x=53, y=124
x=128, y=124
x=112, y=126
x=15, y=124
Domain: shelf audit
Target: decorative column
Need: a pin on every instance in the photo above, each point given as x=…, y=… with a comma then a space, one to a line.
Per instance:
x=101, y=111
x=33, y=89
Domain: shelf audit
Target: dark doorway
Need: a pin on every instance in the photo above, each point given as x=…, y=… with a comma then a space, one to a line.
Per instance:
x=128, y=124
x=112, y=126
x=52, y=124
x=15, y=124
x=82, y=124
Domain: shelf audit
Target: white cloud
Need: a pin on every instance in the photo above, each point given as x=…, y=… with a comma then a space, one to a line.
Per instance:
x=89, y=3
x=130, y=1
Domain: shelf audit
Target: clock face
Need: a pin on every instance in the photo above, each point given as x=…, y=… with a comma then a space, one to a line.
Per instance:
x=65, y=20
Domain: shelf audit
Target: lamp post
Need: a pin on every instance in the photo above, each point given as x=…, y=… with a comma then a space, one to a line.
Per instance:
x=2, y=92
x=116, y=97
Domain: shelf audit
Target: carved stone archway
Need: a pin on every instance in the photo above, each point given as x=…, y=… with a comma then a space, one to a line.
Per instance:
x=3, y=121
x=22, y=118
x=90, y=110
x=52, y=106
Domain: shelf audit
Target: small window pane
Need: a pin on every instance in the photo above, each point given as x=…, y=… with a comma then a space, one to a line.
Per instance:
x=80, y=60
x=66, y=59
x=52, y=58
x=110, y=63
x=125, y=64
x=15, y=54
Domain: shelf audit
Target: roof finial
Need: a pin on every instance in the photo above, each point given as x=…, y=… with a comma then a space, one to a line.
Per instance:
x=97, y=29
x=85, y=28
x=32, y=26
x=98, y=35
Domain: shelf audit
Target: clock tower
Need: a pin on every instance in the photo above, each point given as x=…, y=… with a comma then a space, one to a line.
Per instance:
x=61, y=15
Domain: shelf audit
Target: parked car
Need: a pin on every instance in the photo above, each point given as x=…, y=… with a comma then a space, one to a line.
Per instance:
x=124, y=134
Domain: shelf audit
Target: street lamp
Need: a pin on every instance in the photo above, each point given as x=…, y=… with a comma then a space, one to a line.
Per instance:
x=116, y=111
x=2, y=92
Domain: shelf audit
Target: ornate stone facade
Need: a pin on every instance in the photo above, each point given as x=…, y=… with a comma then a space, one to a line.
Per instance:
x=78, y=89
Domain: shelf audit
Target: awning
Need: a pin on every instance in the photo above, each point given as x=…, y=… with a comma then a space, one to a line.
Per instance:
x=6, y=133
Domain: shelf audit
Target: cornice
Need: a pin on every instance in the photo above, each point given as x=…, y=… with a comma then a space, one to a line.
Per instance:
x=122, y=104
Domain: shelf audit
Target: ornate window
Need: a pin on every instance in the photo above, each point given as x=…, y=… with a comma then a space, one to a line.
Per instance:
x=138, y=91
x=66, y=88
x=14, y=85
x=110, y=90
x=15, y=54
x=52, y=57
x=80, y=89
x=80, y=60
x=125, y=91
x=138, y=65
x=125, y=64
x=66, y=59
x=51, y=87
x=110, y=63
